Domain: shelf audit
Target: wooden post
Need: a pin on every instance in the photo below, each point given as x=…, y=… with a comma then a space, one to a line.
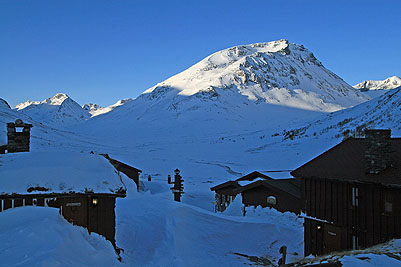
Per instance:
x=283, y=252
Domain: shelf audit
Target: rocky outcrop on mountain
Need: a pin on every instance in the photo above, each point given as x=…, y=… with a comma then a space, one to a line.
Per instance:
x=96, y=110
x=92, y=108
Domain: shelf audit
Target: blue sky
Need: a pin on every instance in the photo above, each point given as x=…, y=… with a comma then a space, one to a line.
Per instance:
x=102, y=51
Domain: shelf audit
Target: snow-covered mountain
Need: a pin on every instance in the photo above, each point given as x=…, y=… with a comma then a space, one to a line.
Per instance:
x=95, y=109
x=279, y=73
x=243, y=87
x=58, y=109
x=377, y=88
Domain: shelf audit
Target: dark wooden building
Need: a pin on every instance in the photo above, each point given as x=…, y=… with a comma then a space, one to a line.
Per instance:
x=93, y=211
x=351, y=194
x=280, y=194
x=224, y=194
x=258, y=189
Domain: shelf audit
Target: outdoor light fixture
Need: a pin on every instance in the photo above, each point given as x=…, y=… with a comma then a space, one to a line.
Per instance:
x=319, y=227
x=94, y=201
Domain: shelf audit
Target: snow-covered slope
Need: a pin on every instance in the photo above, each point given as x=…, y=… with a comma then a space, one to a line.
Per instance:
x=58, y=109
x=4, y=104
x=382, y=113
x=314, y=137
x=377, y=88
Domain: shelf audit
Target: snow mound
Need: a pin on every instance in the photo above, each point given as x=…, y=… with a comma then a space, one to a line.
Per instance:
x=38, y=236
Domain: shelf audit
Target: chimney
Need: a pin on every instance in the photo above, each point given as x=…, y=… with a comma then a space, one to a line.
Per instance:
x=18, y=136
x=377, y=152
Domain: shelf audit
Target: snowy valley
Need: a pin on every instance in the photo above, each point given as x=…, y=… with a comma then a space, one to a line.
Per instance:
x=269, y=107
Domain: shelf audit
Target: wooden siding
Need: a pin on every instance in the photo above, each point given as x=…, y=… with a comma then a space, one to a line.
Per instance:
x=331, y=201
x=77, y=209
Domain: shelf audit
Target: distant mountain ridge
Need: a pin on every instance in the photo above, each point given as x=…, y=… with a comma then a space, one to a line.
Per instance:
x=58, y=109
x=375, y=89
x=389, y=83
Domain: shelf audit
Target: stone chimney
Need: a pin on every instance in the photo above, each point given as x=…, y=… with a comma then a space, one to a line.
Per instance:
x=18, y=136
x=377, y=152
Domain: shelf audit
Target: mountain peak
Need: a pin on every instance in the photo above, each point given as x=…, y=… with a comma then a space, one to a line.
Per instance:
x=56, y=100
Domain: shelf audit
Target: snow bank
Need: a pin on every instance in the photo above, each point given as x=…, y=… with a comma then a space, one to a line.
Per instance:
x=37, y=236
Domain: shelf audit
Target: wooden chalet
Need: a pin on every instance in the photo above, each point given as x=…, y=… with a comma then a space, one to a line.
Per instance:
x=351, y=194
x=84, y=187
x=258, y=189
x=281, y=194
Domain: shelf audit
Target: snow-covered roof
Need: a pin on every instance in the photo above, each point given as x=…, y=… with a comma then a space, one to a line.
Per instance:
x=57, y=172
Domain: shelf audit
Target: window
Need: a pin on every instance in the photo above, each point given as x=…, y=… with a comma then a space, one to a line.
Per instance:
x=19, y=129
x=355, y=195
x=271, y=200
x=388, y=202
